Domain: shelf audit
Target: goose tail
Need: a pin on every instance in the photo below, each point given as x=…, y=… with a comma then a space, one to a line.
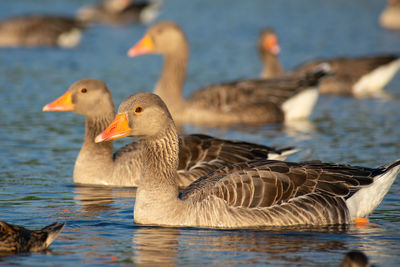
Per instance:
x=365, y=200
x=283, y=153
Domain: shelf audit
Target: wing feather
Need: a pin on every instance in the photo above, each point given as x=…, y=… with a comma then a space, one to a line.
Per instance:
x=202, y=154
x=268, y=183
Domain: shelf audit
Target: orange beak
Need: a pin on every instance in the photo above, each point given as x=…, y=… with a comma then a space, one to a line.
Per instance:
x=144, y=46
x=63, y=103
x=117, y=129
x=271, y=44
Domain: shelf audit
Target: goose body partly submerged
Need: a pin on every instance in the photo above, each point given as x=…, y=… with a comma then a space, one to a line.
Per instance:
x=97, y=165
x=250, y=101
x=248, y=194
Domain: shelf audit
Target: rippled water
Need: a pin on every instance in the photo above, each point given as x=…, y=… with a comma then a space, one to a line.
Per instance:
x=38, y=149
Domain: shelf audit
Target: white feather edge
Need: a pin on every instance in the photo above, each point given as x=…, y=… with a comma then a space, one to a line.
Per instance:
x=301, y=105
x=365, y=200
x=373, y=82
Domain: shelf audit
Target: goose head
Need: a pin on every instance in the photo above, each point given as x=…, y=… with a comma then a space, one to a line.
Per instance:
x=165, y=38
x=142, y=115
x=88, y=97
x=268, y=42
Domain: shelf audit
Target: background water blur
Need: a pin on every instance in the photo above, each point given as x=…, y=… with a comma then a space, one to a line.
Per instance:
x=38, y=150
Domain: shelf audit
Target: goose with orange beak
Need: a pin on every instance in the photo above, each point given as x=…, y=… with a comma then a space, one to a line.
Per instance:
x=255, y=193
x=241, y=102
x=97, y=165
x=269, y=49
x=361, y=77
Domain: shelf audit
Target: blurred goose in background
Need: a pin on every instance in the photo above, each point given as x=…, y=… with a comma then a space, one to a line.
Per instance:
x=40, y=30
x=17, y=239
x=248, y=194
x=355, y=259
x=120, y=12
x=390, y=16
x=356, y=76
x=252, y=101
x=268, y=47
x=96, y=164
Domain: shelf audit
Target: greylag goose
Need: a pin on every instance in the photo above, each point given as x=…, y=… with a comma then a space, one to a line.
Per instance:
x=356, y=76
x=17, y=239
x=253, y=101
x=355, y=259
x=268, y=47
x=248, y=194
x=390, y=16
x=40, y=30
x=96, y=164
x=120, y=12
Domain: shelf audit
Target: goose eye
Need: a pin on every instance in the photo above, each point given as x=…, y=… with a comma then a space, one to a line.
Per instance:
x=84, y=90
x=138, y=109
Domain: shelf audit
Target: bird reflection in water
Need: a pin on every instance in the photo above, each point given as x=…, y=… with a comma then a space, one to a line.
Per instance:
x=160, y=245
x=97, y=200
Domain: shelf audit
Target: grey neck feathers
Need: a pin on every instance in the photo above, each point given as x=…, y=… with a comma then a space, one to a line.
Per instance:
x=160, y=162
x=93, y=127
x=272, y=66
x=171, y=83
x=95, y=160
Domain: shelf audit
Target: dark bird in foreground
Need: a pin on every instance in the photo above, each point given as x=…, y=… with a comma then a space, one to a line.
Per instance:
x=17, y=239
x=355, y=259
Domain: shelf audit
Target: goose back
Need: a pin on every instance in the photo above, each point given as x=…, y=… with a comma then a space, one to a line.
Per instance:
x=201, y=154
x=254, y=100
x=349, y=71
x=274, y=193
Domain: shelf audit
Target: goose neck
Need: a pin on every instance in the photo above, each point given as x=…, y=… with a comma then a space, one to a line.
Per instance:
x=272, y=66
x=170, y=85
x=160, y=162
x=95, y=160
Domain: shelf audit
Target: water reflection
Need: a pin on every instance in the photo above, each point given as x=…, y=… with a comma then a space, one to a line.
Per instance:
x=171, y=246
x=155, y=245
x=97, y=200
x=294, y=128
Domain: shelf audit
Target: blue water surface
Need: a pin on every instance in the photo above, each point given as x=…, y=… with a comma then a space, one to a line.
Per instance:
x=38, y=150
